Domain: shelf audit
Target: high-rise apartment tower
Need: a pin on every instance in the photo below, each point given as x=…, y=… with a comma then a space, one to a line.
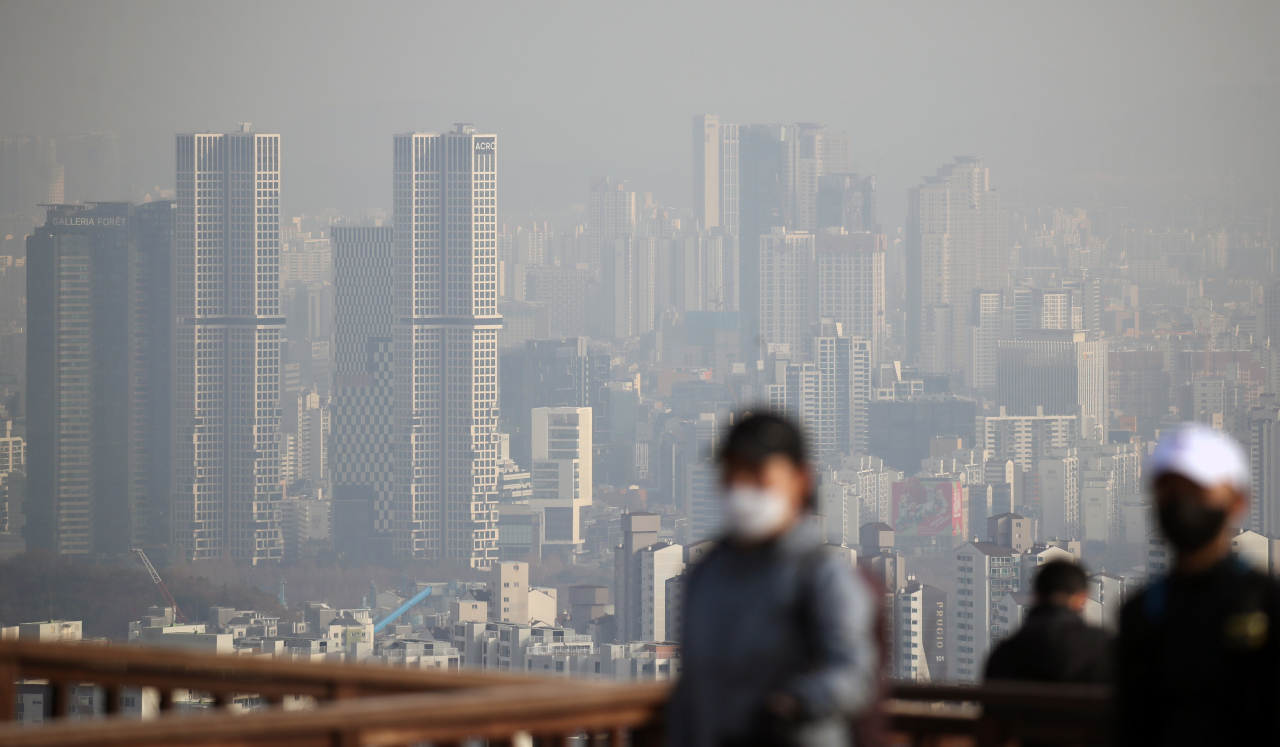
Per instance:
x=226, y=479
x=446, y=346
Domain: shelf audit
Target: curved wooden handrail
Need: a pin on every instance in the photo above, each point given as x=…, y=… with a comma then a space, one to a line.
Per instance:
x=497, y=713
x=159, y=667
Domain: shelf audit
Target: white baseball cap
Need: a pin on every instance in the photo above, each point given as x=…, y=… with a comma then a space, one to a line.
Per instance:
x=1202, y=455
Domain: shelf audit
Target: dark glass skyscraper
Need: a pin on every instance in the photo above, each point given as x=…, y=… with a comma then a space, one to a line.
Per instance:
x=98, y=359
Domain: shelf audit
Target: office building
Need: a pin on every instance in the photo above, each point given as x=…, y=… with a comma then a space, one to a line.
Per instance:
x=899, y=431
x=956, y=241
x=362, y=424
x=1061, y=371
x=562, y=474
x=851, y=285
x=446, y=337
x=98, y=365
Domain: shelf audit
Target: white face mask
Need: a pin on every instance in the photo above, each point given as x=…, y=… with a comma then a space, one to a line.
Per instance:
x=755, y=514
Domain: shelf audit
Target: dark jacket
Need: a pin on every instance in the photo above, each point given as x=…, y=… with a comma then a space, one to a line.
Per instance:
x=1199, y=660
x=1053, y=645
x=787, y=618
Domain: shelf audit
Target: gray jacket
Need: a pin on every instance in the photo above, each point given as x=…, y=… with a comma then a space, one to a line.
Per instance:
x=786, y=617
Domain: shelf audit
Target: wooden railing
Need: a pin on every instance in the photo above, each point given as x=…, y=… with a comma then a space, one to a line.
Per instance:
x=995, y=713
x=112, y=666
x=370, y=704
x=549, y=712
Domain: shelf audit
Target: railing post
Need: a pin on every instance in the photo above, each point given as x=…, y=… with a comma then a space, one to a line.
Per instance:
x=59, y=699
x=110, y=699
x=8, y=687
x=166, y=700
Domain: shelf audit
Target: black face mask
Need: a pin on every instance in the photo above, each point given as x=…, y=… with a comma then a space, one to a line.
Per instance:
x=1187, y=525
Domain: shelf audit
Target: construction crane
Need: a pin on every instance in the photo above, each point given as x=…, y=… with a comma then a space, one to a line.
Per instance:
x=155, y=576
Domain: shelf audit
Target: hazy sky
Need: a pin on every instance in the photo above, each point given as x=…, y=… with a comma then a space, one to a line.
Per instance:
x=1068, y=101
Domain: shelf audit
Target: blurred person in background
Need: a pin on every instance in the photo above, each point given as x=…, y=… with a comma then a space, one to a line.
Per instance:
x=779, y=638
x=1055, y=644
x=1199, y=650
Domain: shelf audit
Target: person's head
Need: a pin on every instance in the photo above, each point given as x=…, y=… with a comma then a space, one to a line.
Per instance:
x=765, y=473
x=1200, y=478
x=1062, y=583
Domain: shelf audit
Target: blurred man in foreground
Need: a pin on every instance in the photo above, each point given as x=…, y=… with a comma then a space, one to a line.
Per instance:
x=779, y=641
x=1199, y=653
x=1055, y=644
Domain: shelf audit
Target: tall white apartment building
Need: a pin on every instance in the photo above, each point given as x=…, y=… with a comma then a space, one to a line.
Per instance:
x=1025, y=438
x=957, y=241
x=509, y=592
x=851, y=285
x=1109, y=477
x=788, y=285
x=658, y=564
x=986, y=312
x=611, y=210
x=446, y=338
x=226, y=350
x=1060, y=485
x=562, y=477
x=985, y=573
x=1264, y=464
x=872, y=483
x=314, y=425
x=706, y=170
x=362, y=424
x=628, y=272
x=919, y=647
x=1055, y=310
x=837, y=425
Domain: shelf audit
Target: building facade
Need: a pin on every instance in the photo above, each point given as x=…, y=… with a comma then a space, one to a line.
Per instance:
x=98, y=357
x=956, y=241
x=226, y=477
x=562, y=476
x=446, y=338
x=362, y=423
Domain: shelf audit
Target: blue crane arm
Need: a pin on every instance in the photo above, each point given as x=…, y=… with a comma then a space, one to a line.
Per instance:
x=402, y=609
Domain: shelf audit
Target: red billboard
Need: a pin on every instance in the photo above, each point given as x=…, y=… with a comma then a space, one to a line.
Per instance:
x=926, y=507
